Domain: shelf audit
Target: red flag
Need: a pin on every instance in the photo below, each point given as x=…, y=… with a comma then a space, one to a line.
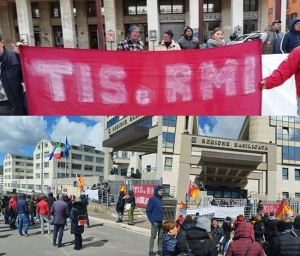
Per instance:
x=282, y=209
x=123, y=187
x=182, y=205
x=193, y=191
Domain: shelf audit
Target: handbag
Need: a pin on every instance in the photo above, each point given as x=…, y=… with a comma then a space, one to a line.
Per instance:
x=81, y=220
x=249, y=248
x=127, y=207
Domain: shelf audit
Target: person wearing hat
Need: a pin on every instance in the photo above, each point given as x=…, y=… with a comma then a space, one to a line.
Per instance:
x=272, y=39
x=132, y=42
x=291, y=39
x=198, y=239
x=188, y=41
x=218, y=234
x=168, y=44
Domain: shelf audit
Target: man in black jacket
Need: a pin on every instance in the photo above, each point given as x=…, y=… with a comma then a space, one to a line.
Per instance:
x=51, y=199
x=218, y=234
x=85, y=202
x=12, y=99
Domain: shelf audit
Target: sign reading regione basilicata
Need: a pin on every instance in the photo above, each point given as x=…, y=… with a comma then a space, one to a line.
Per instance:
x=123, y=123
x=230, y=144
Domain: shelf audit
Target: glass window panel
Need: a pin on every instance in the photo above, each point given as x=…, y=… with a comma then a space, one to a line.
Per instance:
x=227, y=194
x=165, y=6
x=291, y=119
x=285, y=137
x=285, y=149
x=285, y=175
x=297, y=157
x=297, y=120
x=278, y=129
x=297, y=174
x=285, y=118
x=279, y=136
x=218, y=194
x=297, y=150
x=297, y=195
x=291, y=150
x=292, y=157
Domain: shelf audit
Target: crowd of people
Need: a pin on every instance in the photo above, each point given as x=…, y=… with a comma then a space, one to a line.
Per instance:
x=263, y=235
x=49, y=210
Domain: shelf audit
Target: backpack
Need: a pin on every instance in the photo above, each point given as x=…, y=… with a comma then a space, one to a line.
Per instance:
x=189, y=251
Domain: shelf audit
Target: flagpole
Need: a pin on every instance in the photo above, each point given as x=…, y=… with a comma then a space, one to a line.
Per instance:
x=65, y=167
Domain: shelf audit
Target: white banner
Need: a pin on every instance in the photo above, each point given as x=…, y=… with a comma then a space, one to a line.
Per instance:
x=93, y=194
x=220, y=212
x=281, y=100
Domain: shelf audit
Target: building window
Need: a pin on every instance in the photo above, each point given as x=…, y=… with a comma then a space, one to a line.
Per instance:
x=76, y=166
x=46, y=144
x=168, y=163
x=29, y=164
x=168, y=139
x=99, y=169
x=148, y=168
x=212, y=6
x=38, y=187
x=37, y=166
x=112, y=121
x=132, y=153
x=61, y=165
x=38, y=176
x=290, y=153
x=294, y=14
x=91, y=9
x=297, y=174
x=171, y=6
x=35, y=10
x=169, y=121
x=46, y=154
x=88, y=167
x=124, y=154
x=124, y=172
x=46, y=175
x=39, y=146
x=99, y=160
x=76, y=156
x=132, y=169
x=285, y=173
x=250, y=5
x=297, y=195
x=146, y=123
x=285, y=195
x=89, y=158
x=30, y=186
x=138, y=7
x=46, y=164
x=55, y=10
x=37, y=156
x=20, y=163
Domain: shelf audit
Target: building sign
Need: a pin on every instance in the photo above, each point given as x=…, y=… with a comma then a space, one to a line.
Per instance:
x=250, y=15
x=110, y=36
x=143, y=193
x=213, y=16
x=153, y=35
x=230, y=144
x=178, y=18
x=123, y=123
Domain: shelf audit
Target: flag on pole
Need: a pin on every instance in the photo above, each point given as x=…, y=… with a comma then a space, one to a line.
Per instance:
x=282, y=209
x=193, y=191
x=77, y=181
x=56, y=152
x=123, y=187
x=80, y=182
x=182, y=205
x=67, y=148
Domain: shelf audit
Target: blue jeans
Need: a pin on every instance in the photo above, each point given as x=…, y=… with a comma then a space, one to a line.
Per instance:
x=21, y=218
x=226, y=246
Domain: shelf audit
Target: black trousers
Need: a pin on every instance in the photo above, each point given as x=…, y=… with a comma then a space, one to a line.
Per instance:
x=78, y=242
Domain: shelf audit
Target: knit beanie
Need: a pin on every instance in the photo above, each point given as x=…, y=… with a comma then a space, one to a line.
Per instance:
x=203, y=223
x=130, y=30
x=170, y=33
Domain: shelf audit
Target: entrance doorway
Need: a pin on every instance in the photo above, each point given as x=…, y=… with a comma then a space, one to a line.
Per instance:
x=250, y=26
x=58, y=36
x=225, y=192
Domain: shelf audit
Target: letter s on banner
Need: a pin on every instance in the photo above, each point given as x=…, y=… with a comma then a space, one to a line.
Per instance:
x=178, y=79
x=111, y=78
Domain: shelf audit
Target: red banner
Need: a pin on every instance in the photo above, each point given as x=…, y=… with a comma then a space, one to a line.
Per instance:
x=219, y=81
x=142, y=193
x=270, y=208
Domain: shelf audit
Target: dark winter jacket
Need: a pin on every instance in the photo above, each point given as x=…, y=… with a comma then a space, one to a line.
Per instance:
x=22, y=205
x=169, y=245
x=121, y=203
x=243, y=236
x=272, y=230
x=285, y=244
x=291, y=39
x=199, y=242
x=188, y=42
x=259, y=230
x=85, y=202
x=218, y=235
x=76, y=211
x=4, y=202
x=69, y=202
x=227, y=228
x=50, y=199
x=184, y=228
x=60, y=211
x=11, y=75
x=154, y=207
x=131, y=199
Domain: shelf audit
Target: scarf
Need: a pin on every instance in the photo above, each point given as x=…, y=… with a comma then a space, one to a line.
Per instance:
x=216, y=43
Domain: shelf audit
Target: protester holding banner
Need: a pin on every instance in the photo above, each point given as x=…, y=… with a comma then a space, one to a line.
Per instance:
x=168, y=44
x=291, y=39
x=188, y=41
x=216, y=40
x=132, y=42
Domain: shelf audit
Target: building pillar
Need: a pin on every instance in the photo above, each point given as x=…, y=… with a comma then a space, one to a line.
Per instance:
x=226, y=19
x=153, y=23
x=159, y=155
x=68, y=23
x=194, y=14
x=263, y=20
x=6, y=27
x=271, y=173
x=82, y=26
x=237, y=14
x=283, y=15
x=110, y=18
x=138, y=164
x=108, y=163
x=45, y=25
x=25, y=24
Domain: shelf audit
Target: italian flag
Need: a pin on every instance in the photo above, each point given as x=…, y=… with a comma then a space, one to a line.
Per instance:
x=57, y=151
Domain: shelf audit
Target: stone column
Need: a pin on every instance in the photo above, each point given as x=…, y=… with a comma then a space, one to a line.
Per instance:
x=263, y=19
x=153, y=22
x=24, y=15
x=237, y=14
x=110, y=18
x=45, y=25
x=194, y=13
x=68, y=23
x=283, y=15
x=6, y=27
x=82, y=26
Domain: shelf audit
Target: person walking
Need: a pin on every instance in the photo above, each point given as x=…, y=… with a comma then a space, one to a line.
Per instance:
x=30, y=208
x=60, y=211
x=227, y=227
x=155, y=216
x=23, y=215
x=12, y=211
x=85, y=202
x=131, y=201
x=44, y=212
x=120, y=207
x=77, y=214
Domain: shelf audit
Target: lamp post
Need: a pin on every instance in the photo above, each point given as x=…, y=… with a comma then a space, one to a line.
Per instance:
x=201, y=22
x=101, y=44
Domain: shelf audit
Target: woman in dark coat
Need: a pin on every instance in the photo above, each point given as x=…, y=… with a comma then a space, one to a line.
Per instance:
x=120, y=207
x=77, y=213
x=131, y=201
x=259, y=229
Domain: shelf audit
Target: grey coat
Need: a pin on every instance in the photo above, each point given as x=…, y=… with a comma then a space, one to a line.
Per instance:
x=186, y=44
x=60, y=211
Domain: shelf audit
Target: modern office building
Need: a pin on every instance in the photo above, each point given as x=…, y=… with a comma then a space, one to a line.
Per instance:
x=38, y=173
x=68, y=23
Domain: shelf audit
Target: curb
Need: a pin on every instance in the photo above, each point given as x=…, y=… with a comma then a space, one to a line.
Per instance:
x=121, y=225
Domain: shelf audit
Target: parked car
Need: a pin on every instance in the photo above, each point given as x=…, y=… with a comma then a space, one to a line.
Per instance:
x=246, y=38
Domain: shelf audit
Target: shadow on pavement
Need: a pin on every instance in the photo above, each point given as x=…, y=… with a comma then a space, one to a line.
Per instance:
x=95, y=244
x=2, y=254
x=5, y=236
x=89, y=239
x=97, y=225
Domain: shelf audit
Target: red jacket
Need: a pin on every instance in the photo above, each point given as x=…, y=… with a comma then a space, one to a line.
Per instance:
x=243, y=236
x=12, y=203
x=43, y=208
x=289, y=67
